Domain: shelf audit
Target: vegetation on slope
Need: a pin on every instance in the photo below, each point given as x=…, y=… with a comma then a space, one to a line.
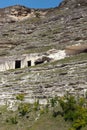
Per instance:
x=65, y=113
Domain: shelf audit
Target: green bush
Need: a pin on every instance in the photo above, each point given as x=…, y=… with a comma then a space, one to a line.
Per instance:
x=75, y=110
x=20, y=97
x=54, y=101
x=42, y=111
x=23, y=109
x=36, y=105
x=47, y=108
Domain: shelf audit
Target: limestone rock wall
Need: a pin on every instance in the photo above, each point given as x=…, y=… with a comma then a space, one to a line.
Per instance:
x=7, y=63
x=45, y=81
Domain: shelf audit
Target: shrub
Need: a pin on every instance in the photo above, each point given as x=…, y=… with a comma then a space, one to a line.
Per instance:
x=54, y=101
x=23, y=109
x=47, y=108
x=68, y=104
x=37, y=14
x=36, y=105
x=20, y=97
x=78, y=124
x=74, y=110
x=42, y=111
x=13, y=120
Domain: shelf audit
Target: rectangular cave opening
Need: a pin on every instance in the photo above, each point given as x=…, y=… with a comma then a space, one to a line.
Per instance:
x=29, y=63
x=17, y=64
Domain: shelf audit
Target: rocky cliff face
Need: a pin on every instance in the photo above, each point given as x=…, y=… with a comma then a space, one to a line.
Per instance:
x=24, y=30
x=74, y=3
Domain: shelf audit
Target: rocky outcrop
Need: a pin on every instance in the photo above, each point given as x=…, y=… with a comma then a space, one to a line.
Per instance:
x=73, y=3
x=19, y=11
x=26, y=60
x=76, y=49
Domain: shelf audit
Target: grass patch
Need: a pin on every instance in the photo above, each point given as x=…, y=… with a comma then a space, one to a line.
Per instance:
x=47, y=122
x=58, y=114
x=39, y=49
x=71, y=59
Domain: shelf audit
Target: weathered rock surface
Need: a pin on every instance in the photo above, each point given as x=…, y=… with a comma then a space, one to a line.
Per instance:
x=45, y=81
x=60, y=26
x=76, y=49
x=74, y=3
x=56, y=28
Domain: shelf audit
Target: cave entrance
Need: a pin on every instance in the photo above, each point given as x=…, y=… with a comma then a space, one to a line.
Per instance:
x=17, y=64
x=29, y=63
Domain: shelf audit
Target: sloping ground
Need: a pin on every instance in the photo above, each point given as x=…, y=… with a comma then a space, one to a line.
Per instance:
x=28, y=122
x=45, y=81
x=59, y=27
x=32, y=120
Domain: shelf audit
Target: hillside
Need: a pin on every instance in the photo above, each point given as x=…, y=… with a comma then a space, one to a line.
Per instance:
x=24, y=30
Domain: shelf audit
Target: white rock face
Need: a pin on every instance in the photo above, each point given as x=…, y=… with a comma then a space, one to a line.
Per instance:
x=60, y=54
x=7, y=63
